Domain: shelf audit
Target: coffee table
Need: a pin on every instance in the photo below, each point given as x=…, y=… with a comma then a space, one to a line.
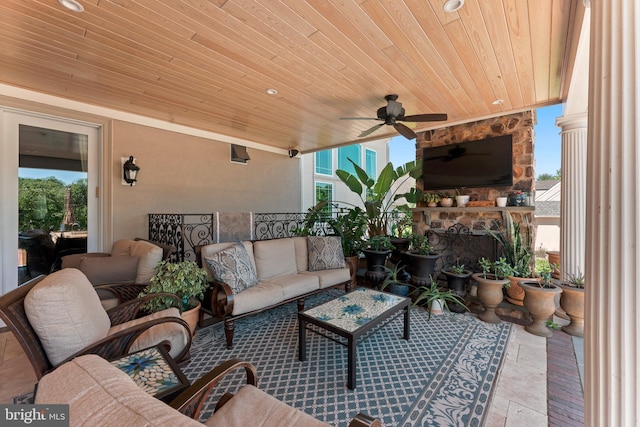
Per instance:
x=353, y=317
x=154, y=371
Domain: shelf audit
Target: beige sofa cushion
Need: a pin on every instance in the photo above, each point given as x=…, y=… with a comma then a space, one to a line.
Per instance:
x=150, y=255
x=209, y=250
x=275, y=258
x=260, y=296
x=302, y=257
x=99, y=394
x=113, y=269
x=264, y=411
x=65, y=312
x=330, y=277
x=173, y=332
x=296, y=284
x=73, y=260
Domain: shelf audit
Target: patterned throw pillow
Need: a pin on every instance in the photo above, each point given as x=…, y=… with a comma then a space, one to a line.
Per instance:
x=325, y=253
x=233, y=267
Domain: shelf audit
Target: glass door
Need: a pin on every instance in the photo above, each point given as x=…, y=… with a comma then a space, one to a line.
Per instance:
x=52, y=210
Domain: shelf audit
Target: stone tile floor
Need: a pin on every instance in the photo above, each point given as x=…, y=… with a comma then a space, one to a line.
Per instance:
x=524, y=395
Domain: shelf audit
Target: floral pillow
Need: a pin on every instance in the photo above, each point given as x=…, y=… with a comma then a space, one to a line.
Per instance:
x=325, y=253
x=233, y=267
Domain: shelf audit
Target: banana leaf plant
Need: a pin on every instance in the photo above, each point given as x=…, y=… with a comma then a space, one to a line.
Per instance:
x=378, y=195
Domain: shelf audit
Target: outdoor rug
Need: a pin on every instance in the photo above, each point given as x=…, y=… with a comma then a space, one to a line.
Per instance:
x=443, y=376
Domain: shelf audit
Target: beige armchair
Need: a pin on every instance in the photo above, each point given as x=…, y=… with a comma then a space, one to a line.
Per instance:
x=58, y=317
x=99, y=394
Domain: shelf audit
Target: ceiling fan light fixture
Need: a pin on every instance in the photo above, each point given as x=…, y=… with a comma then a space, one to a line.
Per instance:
x=72, y=5
x=451, y=6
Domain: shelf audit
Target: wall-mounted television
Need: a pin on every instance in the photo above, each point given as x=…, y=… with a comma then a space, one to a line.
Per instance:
x=482, y=163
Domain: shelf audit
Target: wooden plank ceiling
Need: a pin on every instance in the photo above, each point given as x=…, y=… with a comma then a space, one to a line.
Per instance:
x=207, y=64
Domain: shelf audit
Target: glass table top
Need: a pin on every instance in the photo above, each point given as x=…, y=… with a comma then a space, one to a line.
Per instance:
x=355, y=309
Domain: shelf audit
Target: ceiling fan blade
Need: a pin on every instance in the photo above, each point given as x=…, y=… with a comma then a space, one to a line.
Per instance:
x=404, y=131
x=425, y=118
x=370, y=130
x=359, y=118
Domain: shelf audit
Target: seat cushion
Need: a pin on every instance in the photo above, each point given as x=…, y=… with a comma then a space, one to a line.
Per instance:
x=99, y=394
x=73, y=260
x=172, y=332
x=325, y=253
x=264, y=294
x=302, y=253
x=65, y=312
x=113, y=269
x=233, y=267
x=251, y=406
x=296, y=284
x=275, y=258
x=330, y=277
x=148, y=253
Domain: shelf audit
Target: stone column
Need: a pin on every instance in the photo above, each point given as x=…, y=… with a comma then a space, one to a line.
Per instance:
x=612, y=264
x=574, y=193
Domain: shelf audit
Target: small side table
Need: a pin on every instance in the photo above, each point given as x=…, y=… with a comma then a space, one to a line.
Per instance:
x=154, y=371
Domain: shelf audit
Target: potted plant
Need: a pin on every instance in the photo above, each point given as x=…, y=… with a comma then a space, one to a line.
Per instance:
x=376, y=251
x=432, y=199
x=518, y=252
x=184, y=279
x=493, y=278
x=422, y=260
x=446, y=201
x=539, y=300
x=457, y=277
x=378, y=195
x=351, y=226
x=572, y=302
x=435, y=300
x=394, y=281
x=461, y=199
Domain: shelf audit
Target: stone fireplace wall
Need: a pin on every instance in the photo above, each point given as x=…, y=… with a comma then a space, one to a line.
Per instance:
x=440, y=221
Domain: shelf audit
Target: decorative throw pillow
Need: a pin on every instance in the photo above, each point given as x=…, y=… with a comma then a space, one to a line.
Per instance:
x=233, y=267
x=325, y=253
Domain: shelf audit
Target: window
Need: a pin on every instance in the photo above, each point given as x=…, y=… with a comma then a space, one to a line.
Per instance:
x=324, y=192
x=324, y=162
x=353, y=152
x=371, y=163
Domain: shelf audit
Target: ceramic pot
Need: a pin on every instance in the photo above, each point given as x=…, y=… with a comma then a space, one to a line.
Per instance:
x=437, y=307
x=490, y=295
x=554, y=258
x=191, y=316
x=501, y=201
x=446, y=202
x=422, y=266
x=515, y=294
x=540, y=304
x=461, y=201
x=572, y=302
x=376, y=260
x=457, y=283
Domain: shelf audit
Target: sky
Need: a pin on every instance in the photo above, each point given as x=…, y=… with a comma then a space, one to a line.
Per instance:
x=547, y=143
x=68, y=177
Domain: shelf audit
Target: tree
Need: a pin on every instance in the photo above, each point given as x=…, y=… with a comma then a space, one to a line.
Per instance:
x=547, y=176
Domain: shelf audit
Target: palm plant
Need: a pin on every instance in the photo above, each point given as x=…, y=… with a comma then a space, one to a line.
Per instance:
x=378, y=195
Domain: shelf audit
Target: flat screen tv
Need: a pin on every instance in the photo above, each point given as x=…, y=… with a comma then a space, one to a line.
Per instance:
x=483, y=163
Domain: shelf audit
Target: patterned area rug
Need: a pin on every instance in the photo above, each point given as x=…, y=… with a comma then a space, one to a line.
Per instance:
x=443, y=376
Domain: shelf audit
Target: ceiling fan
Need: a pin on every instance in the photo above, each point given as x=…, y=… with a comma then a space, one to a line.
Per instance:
x=394, y=113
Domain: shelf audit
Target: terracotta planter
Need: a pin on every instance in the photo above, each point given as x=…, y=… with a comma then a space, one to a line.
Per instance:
x=572, y=302
x=447, y=202
x=554, y=258
x=515, y=294
x=540, y=304
x=352, y=264
x=490, y=295
x=191, y=317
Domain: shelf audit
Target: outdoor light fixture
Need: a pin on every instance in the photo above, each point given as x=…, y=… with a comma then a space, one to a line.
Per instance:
x=293, y=152
x=452, y=5
x=130, y=171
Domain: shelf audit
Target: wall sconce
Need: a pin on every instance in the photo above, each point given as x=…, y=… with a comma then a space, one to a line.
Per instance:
x=130, y=171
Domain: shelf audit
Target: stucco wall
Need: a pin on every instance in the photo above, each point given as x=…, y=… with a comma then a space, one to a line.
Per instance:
x=186, y=174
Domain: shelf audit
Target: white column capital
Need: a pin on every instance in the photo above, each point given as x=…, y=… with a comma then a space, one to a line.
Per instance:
x=572, y=122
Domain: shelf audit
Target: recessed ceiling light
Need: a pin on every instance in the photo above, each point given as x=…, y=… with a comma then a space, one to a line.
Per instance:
x=72, y=5
x=498, y=102
x=452, y=5
x=272, y=91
